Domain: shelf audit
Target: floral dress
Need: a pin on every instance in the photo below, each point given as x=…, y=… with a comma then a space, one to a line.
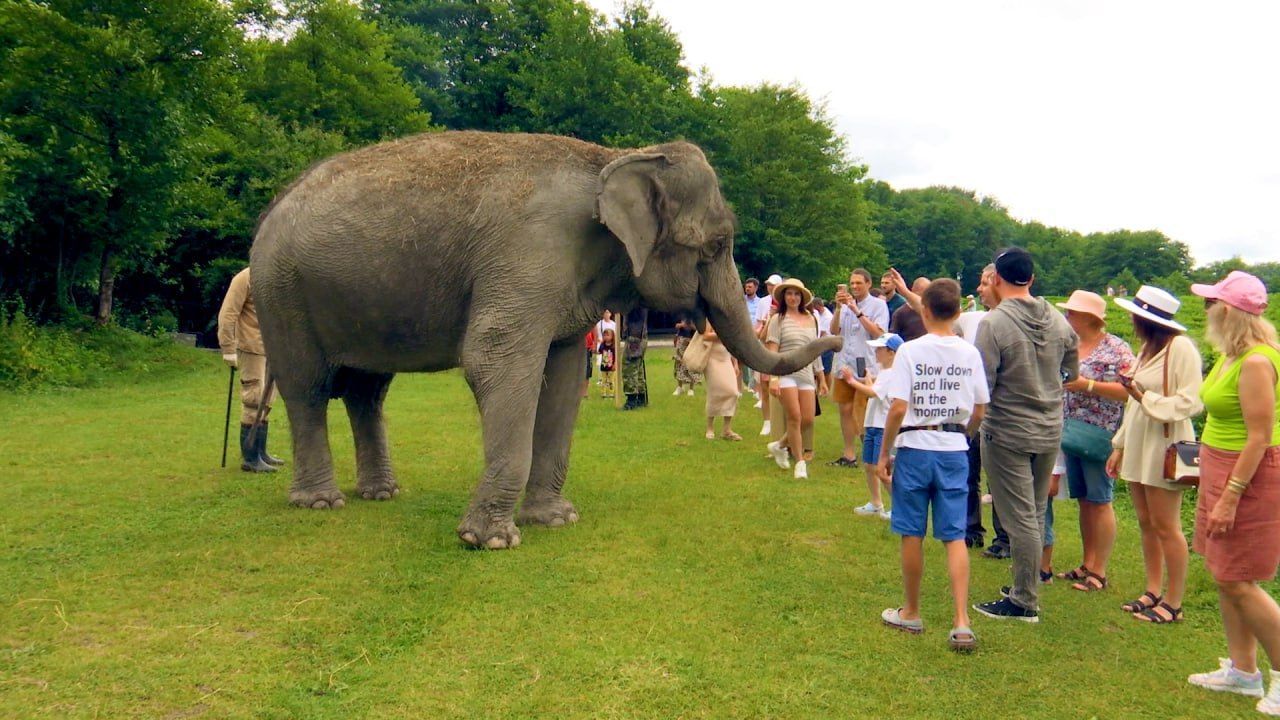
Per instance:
x=1110, y=359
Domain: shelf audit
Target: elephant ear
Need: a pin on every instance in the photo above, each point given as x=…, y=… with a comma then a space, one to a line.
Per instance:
x=631, y=202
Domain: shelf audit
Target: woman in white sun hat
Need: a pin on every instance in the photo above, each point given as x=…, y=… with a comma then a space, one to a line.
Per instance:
x=794, y=327
x=1164, y=394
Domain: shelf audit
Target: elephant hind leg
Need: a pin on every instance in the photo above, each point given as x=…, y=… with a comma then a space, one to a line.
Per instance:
x=363, y=394
x=304, y=382
x=553, y=431
x=313, y=486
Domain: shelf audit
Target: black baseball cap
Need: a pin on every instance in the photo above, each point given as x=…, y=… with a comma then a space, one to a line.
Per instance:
x=1014, y=265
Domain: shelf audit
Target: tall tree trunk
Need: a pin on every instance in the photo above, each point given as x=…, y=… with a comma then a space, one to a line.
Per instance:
x=106, y=285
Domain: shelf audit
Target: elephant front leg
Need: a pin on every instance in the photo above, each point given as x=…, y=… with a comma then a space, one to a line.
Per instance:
x=505, y=382
x=552, y=434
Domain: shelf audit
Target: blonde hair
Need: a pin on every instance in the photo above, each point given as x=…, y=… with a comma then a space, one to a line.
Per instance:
x=1233, y=332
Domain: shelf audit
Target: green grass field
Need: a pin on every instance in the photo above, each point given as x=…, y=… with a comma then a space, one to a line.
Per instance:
x=138, y=579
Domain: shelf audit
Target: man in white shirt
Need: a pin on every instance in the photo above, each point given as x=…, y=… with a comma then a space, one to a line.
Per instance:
x=858, y=317
x=750, y=290
x=975, y=534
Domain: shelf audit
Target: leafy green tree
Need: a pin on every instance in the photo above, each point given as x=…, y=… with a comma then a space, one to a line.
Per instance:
x=1146, y=254
x=797, y=198
x=324, y=65
x=1125, y=281
x=1175, y=282
x=942, y=232
x=651, y=42
x=1058, y=257
x=103, y=96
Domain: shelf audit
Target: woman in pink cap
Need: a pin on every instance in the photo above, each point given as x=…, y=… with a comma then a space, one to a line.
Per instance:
x=1238, y=512
x=1092, y=409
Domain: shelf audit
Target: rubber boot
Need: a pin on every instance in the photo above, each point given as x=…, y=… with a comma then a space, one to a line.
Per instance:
x=252, y=458
x=262, y=447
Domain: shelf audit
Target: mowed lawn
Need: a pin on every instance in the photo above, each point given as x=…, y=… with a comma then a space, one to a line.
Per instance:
x=138, y=579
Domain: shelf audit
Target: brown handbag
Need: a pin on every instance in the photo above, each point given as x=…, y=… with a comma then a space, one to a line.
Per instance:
x=1181, y=459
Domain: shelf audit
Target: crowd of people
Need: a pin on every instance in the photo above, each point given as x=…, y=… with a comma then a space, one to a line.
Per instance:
x=935, y=391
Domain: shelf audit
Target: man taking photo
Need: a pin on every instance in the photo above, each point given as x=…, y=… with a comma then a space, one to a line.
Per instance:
x=858, y=317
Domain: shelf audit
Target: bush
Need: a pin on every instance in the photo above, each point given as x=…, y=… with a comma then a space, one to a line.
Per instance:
x=79, y=354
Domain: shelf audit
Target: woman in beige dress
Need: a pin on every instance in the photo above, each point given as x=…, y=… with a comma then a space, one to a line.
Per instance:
x=1164, y=394
x=723, y=388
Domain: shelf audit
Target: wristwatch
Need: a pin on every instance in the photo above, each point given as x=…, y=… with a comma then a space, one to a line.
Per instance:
x=859, y=314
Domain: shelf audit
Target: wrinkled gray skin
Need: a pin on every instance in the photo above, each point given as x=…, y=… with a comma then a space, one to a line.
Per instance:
x=496, y=253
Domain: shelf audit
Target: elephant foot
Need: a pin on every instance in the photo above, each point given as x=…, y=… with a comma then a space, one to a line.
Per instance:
x=382, y=488
x=554, y=512
x=481, y=531
x=321, y=498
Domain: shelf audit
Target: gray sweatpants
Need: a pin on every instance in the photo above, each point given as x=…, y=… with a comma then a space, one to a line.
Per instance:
x=1020, y=491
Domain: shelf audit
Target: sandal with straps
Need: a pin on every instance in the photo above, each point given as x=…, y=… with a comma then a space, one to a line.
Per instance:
x=1141, y=604
x=1153, y=616
x=1075, y=574
x=1092, y=582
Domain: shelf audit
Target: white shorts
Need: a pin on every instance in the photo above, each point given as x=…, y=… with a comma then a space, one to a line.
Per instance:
x=788, y=381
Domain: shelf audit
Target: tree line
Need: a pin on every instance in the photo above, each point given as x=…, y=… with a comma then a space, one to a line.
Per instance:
x=140, y=141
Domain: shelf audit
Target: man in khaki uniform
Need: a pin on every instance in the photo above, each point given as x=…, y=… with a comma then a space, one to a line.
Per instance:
x=241, y=343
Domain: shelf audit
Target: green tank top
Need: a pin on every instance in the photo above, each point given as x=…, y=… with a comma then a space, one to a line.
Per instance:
x=1224, y=428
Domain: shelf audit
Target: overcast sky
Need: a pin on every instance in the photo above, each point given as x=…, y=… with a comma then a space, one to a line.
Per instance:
x=1086, y=115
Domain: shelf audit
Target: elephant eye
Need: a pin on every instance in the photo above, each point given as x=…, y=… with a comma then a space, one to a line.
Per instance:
x=717, y=245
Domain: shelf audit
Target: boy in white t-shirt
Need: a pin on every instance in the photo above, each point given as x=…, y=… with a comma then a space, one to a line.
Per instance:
x=939, y=395
x=885, y=347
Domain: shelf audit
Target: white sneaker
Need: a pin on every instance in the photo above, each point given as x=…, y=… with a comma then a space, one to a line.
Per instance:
x=759, y=404
x=1228, y=679
x=869, y=509
x=1270, y=704
x=802, y=471
x=886, y=514
x=767, y=428
x=779, y=454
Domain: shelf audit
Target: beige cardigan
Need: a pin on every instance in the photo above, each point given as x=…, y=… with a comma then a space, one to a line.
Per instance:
x=1141, y=434
x=238, y=319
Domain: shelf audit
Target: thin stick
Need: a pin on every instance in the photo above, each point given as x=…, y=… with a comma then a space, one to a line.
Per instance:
x=226, y=430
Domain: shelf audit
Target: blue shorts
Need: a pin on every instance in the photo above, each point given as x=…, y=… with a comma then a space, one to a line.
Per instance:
x=1087, y=480
x=922, y=478
x=872, y=440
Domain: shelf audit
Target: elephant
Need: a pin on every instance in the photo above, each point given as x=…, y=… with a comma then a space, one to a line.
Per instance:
x=492, y=252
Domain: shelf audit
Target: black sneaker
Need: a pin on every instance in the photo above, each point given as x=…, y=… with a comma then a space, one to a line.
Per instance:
x=973, y=541
x=996, y=552
x=1006, y=609
x=1046, y=577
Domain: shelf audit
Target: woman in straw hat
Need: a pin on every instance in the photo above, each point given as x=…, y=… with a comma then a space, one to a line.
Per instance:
x=1164, y=394
x=1096, y=398
x=794, y=327
x=1238, y=512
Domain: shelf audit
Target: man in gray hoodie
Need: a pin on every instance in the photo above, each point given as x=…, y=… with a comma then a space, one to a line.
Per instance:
x=1028, y=351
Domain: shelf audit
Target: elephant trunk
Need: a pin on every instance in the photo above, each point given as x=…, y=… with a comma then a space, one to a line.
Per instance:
x=721, y=291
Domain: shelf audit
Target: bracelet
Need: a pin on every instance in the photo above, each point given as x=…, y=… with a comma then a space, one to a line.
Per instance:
x=1236, y=486
x=1089, y=388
